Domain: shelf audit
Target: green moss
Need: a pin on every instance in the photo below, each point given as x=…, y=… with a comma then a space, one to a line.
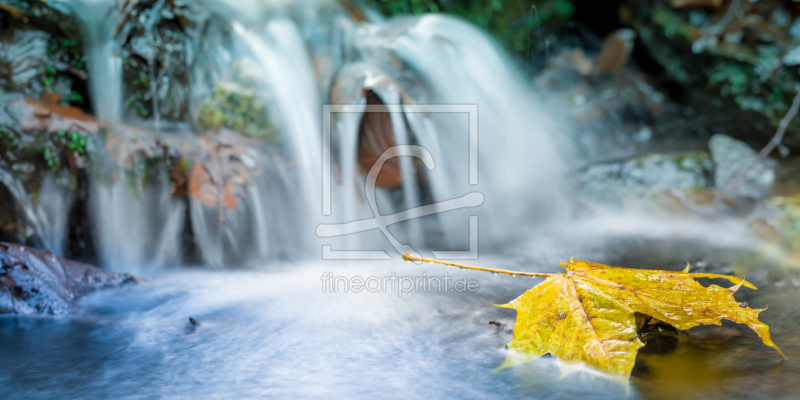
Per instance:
x=238, y=108
x=733, y=78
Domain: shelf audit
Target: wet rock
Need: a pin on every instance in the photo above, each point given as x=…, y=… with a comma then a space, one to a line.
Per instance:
x=45, y=137
x=659, y=338
x=777, y=222
x=695, y=202
x=376, y=135
x=40, y=137
x=137, y=153
x=613, y=183
x=221, y=169
x=49, y=116
x=38, y=282
x=731, y=157
x=41, y=52
x=156, y=39
x=45, y=148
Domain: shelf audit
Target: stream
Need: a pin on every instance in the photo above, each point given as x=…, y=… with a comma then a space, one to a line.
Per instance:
x=222, y=143
x=277, y=333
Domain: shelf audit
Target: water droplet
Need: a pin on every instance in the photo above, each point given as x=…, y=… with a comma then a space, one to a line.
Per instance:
x=408, y=261
x=513, y=274
x=494, y=273
x=463, y=268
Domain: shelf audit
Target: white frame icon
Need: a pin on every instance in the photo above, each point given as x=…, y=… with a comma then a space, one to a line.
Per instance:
x=473, y=199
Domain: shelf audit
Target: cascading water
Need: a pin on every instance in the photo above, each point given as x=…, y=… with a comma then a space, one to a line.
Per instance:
x=137, y=225
x=441, y=60
x=103, y=61
x=299, y=57
x=47, y=217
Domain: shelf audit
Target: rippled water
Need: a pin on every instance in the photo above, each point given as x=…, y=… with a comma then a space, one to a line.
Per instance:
x=277, y=334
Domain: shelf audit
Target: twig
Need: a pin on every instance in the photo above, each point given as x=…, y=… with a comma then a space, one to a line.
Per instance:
x=776, y=140
x=409, y=257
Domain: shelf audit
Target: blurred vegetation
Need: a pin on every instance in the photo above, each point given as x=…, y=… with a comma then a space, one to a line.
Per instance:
x=518, y=25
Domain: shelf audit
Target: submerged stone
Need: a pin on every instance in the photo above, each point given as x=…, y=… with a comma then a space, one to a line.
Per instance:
x=39, y=282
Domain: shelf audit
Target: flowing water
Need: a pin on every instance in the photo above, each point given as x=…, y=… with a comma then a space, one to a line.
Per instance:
x=271, y=330
x=278, y=334
x=299, y=57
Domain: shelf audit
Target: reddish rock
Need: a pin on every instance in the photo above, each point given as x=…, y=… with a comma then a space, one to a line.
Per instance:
x=49, y=116
x=375, y=137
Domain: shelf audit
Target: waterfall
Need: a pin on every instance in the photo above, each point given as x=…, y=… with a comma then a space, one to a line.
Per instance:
x=300, y=56
x=47, y=216
x=138, y=226
x=442, y=60
x=103, y=61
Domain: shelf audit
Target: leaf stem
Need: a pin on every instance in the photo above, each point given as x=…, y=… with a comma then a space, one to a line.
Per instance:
x=409, y=257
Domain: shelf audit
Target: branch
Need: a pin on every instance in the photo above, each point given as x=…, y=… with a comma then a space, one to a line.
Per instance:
x=408, y=257
x=776, y=140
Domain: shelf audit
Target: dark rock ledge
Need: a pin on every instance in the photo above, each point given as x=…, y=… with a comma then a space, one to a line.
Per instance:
x=39, y=282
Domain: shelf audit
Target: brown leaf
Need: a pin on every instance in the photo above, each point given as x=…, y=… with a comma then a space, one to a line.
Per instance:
x=615, y=52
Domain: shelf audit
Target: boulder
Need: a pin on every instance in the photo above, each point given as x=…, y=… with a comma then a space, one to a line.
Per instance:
x=39, y=282
x=616, y=182
x=732, y=157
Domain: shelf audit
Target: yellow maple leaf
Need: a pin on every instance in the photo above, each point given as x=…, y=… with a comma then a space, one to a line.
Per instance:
x=589, y=313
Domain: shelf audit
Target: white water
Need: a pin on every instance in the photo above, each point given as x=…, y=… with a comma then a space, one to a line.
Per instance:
x=440, y=60
x=102, y=57
x=46, y=215
x=305, y=52
x=138, y=227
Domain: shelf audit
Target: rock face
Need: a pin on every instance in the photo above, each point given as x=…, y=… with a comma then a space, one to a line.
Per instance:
x=38, y=282
x=41, y=52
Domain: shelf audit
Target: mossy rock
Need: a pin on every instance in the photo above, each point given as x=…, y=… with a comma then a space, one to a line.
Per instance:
x=238, y=108
x=41, y=52
x=613, y=183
